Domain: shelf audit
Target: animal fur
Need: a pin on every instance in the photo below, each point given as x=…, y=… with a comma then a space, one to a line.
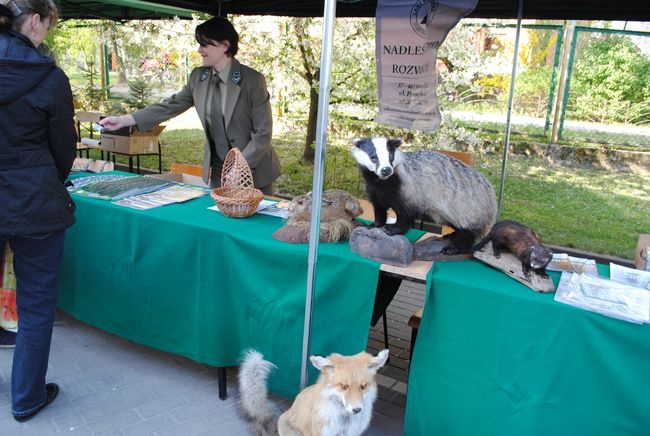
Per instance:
x=521, y=241
x=340, y=403
x=425, y=185
x=261, y=414
x=338, y=211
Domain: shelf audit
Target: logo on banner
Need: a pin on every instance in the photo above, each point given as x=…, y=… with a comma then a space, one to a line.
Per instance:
x=422, y=14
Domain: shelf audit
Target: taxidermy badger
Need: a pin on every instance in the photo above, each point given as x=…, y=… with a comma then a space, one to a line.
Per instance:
x=428, y=185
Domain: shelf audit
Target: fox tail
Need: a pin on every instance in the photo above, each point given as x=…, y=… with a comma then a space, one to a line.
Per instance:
x=260, y=412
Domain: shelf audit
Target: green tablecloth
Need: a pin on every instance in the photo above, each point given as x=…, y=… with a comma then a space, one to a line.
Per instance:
x=187, y=280
x=495, y=358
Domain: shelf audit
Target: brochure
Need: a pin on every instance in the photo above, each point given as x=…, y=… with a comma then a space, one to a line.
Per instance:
x=170, y=195
x=604, y=296
x=116, y=189
x=630, y=276
x=79, y=182
x=564, y=262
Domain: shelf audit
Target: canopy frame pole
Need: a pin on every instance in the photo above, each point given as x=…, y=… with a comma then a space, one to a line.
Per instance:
x=511, y=99
x=317, y=184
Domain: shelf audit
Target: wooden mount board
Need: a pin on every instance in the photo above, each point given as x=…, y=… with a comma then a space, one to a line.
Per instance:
x=430, y=249
x=510, y=265
x=644, y=242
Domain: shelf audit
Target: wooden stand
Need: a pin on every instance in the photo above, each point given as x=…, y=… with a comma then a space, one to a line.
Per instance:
x=640, y=262
x=510, y=265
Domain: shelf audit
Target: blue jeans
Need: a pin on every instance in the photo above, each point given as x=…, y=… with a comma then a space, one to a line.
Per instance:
x=37, y=261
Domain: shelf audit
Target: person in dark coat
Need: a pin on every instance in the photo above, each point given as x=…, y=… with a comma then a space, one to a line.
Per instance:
x=37, y=149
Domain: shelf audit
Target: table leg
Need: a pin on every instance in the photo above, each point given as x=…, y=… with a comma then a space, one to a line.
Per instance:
x=385, y=331
x=387, y=287
x=223, y=389
x=414, y=336
x=159, y=158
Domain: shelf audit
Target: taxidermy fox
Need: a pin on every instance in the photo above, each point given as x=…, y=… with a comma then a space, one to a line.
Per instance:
x=340, y=403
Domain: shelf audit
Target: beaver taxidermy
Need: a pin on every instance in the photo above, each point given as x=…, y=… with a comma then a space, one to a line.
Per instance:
x=338, y=210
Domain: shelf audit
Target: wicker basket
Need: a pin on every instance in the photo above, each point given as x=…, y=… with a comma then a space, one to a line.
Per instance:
x=236, y=197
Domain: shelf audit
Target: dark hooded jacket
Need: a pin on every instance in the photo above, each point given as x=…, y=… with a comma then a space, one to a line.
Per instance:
x=37, y=140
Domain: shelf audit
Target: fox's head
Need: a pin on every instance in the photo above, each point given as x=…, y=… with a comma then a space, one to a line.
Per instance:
x=350, y=379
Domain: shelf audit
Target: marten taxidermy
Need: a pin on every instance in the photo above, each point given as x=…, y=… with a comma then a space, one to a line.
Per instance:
x=522, y=242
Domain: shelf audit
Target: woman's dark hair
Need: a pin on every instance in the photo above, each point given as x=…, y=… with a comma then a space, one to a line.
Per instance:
x=13, y=13
x=218, y=29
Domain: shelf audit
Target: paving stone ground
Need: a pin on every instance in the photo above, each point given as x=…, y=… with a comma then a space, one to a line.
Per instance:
x=111, y=386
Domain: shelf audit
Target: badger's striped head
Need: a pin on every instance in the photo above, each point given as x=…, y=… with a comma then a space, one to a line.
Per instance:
x=377, y=155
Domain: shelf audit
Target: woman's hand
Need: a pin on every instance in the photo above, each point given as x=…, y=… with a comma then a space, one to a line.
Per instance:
x=115, y=123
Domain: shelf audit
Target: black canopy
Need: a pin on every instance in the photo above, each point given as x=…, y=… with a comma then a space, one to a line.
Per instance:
x=120, y=9
x=630, y=10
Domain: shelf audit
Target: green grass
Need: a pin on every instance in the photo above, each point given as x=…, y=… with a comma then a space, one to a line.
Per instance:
x=591, y=209
x=585, y=208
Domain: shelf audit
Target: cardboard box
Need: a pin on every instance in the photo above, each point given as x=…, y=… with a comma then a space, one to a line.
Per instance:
x=181, y=178
x=129, y=141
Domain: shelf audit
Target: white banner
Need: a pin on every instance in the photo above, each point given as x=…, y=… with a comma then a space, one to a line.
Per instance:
x=408, y=35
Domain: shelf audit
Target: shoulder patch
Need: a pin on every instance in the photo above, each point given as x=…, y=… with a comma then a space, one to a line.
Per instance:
x=205, y=75
x=236, y=78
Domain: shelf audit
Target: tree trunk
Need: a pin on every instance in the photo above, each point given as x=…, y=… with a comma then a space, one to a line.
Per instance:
x=116, y=52
x=309, y=152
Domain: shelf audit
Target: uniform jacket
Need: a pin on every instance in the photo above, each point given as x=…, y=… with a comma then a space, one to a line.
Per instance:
x=247, y=116
x=37, y=140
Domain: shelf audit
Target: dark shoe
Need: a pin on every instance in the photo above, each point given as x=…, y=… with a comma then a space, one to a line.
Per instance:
x=52, y=391
x=7, y=339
